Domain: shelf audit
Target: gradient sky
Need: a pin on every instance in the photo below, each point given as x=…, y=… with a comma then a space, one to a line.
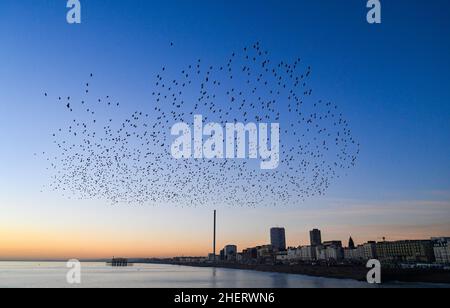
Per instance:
x=391, y=80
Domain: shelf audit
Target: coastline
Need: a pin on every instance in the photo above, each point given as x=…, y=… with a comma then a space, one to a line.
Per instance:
x=344, y=272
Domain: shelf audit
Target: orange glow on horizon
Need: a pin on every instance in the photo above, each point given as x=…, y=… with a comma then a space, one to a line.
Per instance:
x=27, y=244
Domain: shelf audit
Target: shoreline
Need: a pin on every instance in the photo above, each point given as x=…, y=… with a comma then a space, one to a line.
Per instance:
x=350, y=273
x=343, y=272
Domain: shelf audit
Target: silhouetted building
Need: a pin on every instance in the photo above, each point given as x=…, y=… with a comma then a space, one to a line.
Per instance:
x=282, y=257
x=369, y=250
x=351, y=243
x=212, y=257
x=332, y=244
x=230, y=253
x=305, y=254
x=363, y=252
x=250, y=255
x=330, y=251
x=266, y=254
x=278, y=239
x=315, y=237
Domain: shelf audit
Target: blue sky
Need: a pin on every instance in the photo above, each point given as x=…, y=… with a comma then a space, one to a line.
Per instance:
x=390, y=80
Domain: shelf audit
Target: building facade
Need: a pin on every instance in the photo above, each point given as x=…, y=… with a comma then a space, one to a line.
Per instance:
x=351, y=254
x=363, y=252
x=308, y=253
x=283, y=257
x=315, y=237
x=230, y=253
x=368, y=251
x=250, y=255
x=406, y=251
x=266, y=254
x=441, y=248
x=278, y=239
x=302, y=254
x=331, y=251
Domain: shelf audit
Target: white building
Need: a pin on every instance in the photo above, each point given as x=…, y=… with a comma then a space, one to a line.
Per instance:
x=308, y=253
x=293, y=254
x=442, y=250
x=334, y=253
x=321, y=254
x=305, y=254
x=330, y=251
x=364, y=252
x=369, y=251
x=282, y=256
x=352, y=254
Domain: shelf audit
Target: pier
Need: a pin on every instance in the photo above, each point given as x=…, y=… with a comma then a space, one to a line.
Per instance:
x=119, y=262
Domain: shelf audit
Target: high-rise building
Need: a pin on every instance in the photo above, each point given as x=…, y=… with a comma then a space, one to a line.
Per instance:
x=316, y=237
x=278, y=238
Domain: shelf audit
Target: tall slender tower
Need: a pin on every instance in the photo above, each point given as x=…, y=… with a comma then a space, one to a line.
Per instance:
x=214, y=236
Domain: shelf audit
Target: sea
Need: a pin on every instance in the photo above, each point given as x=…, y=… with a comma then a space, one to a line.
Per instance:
x=100, y=275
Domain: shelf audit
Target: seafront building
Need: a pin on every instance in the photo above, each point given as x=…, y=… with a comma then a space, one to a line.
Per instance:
x=441, y=249
x=230, y=253
x=363, y=252
x=304, y=254
x=434, y=252
x=250, y=255
x=190, y=259
x=308, y=253
x=331, y=251
x=278, y=239
x=315, y=237
x=266, y=254
x=406, y=251
x=282, y=257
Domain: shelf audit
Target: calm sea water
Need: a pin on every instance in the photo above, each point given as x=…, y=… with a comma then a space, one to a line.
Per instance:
x=98, y=275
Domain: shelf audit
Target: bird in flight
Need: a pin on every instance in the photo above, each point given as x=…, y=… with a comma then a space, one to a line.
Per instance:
x=107, y=152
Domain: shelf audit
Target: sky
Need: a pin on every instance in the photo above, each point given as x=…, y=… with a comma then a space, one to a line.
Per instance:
x=391, y=81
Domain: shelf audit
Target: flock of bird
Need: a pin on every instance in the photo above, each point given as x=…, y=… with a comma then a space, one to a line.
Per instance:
x=103, y=154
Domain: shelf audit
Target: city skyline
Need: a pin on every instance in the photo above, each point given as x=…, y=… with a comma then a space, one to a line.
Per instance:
x=276, y=237
x=389, y=80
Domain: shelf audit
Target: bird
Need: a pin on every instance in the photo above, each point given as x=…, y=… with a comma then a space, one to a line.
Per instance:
x=125, y=158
